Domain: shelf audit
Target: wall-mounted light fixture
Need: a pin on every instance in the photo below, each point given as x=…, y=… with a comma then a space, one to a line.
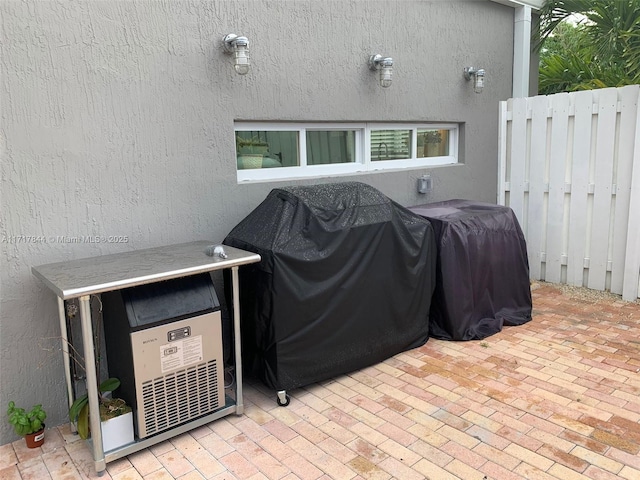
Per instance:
x=239, y=46
x=385, y=66
x=478, y=77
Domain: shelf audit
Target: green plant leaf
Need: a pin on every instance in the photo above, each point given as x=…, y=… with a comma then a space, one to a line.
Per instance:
x=77, y=406
x=603, y=50
x=83, y=422
x=21, y=430
x=109, y=385
x=36, y=425
x=79, y=411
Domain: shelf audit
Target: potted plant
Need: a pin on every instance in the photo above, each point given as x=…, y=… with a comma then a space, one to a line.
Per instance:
x=250, y=151
x=29, y=425
x=116, y=417
x=253, y=145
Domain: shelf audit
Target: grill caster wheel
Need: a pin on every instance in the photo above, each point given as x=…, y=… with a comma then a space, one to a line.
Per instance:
x=283, y=399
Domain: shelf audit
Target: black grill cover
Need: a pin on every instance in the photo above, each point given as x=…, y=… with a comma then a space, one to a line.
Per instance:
x=345, y=281
x=482, y=272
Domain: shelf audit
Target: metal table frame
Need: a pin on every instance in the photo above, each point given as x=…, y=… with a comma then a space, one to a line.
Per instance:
x=85, y=277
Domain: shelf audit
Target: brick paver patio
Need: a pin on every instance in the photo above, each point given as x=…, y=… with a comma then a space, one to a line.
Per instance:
x=557, y=398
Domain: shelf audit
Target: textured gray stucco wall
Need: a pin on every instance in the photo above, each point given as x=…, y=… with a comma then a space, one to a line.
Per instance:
x=117, y=119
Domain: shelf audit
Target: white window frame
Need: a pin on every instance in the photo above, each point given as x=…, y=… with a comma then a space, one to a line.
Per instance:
x=362, y=164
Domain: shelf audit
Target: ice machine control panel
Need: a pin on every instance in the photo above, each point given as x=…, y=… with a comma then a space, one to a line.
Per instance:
x=179, y=334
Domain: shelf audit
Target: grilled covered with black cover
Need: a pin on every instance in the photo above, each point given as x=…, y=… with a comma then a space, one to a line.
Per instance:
x=483, y=269
x=345, y=281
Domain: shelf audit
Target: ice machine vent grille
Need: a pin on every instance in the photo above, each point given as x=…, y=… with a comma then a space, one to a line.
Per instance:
x=180, y=396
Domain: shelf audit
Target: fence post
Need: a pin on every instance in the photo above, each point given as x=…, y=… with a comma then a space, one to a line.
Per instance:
x=632, y=256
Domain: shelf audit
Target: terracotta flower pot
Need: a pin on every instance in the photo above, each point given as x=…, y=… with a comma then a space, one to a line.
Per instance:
x=34, y=440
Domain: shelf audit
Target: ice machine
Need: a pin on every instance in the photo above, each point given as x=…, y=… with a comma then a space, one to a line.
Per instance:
x=164, y=343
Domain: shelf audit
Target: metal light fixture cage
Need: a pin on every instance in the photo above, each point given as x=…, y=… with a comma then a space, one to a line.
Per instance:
x=477, y=74
x=239, y=47
x=384, y=65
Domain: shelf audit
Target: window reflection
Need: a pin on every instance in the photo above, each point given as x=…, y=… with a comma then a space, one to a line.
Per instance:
x=267, y=149
x=432, y=143
x=390, y=144
x=333, y=146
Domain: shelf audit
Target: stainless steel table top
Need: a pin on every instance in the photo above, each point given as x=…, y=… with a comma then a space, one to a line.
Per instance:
x=87, y=276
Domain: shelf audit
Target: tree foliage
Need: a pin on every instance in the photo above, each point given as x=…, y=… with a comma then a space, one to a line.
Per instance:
x=602, y=50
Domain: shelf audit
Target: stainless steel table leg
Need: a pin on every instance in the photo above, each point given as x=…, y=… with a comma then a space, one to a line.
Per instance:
x=92, y=383
x=236, y=334
x=62, y=315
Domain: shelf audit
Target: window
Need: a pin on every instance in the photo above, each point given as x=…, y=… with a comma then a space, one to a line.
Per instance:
x=433, y=143
x=390, y=144
x=267, y=149
x=272, y=151
x=331, y=146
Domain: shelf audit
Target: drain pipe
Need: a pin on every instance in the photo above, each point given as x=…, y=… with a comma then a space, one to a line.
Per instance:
x=521, y=51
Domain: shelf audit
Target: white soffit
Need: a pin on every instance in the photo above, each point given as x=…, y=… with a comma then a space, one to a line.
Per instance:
x=534, y=4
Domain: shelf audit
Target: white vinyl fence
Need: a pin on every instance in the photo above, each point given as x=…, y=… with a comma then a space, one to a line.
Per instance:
x=569, y=168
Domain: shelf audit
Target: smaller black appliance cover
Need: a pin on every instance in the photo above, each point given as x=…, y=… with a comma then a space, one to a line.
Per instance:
x=482, y=272
x=345, y=281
